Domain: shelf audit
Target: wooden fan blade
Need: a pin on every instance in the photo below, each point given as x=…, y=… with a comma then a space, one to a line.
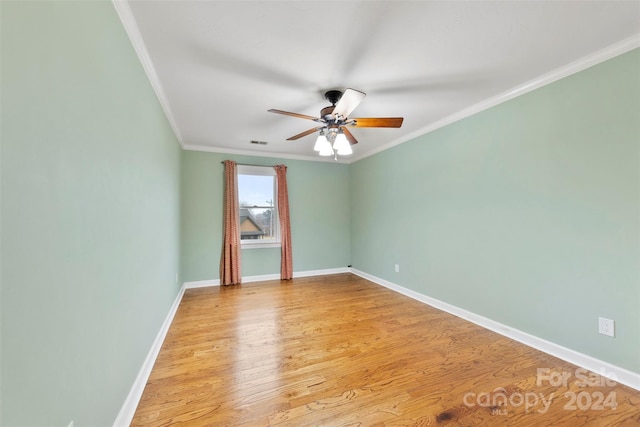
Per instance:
x=287, y=113
x=349, y=136
x=350, y=99
x=379, y=122
x=305, y=133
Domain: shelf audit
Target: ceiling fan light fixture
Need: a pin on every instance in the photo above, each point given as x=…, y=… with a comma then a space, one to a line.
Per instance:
x=334, y=138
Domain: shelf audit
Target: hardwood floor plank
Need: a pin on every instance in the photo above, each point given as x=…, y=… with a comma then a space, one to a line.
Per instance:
x=341, y=351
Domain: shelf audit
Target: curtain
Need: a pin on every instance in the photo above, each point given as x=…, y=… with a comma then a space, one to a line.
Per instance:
x=230, y=258
x=286, y=261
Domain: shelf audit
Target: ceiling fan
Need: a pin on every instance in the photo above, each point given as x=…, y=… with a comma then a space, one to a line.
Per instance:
x=335, y=137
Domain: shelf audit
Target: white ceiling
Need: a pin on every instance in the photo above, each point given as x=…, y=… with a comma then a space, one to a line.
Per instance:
x=218, y=66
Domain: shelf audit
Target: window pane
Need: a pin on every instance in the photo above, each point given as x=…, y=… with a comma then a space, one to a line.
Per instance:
x=257, y=223
x=257, y=208
x=255, y=190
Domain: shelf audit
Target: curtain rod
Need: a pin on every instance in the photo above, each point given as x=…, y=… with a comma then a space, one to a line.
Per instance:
x=249, y=164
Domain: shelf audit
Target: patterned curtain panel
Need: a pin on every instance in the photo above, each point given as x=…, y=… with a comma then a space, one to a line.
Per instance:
x=230, y=259
x=286, y=262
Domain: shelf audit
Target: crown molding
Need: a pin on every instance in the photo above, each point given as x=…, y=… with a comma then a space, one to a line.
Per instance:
x=131, y=27
x=581, y=64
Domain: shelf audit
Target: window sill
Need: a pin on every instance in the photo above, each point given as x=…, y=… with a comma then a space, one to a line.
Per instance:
x=260, y=245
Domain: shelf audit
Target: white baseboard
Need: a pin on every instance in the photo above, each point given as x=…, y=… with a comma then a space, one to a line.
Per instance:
x=131, y=402
x=311, y=273
x=201, y=284
x=265, y=277
x=616, y=373
x=296, y=274
x=260, y=278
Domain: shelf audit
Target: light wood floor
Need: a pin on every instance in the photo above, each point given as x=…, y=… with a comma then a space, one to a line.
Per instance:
x=341, y=351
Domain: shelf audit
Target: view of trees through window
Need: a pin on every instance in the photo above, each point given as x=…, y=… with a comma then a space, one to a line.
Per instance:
x=258, y=215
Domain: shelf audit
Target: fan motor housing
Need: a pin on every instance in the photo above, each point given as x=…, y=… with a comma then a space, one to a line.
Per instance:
x=327, y=111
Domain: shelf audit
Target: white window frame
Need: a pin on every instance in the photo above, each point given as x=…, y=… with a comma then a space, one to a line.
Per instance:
x=263, y=171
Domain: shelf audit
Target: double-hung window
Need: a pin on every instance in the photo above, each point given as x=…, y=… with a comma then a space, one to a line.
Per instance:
x=257, y=190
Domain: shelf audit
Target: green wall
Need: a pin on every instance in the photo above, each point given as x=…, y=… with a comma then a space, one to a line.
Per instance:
x=319, y=210
x=90, y=214
x=526, y=213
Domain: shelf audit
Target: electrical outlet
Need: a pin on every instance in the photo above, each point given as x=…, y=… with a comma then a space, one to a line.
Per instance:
x=397, y=267
x=606, y=327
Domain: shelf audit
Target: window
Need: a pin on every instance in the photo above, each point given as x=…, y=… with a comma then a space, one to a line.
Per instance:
x=259, y=225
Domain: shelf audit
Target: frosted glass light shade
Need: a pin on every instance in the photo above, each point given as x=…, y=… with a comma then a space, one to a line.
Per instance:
x=321, y=143
x=326, y=151
x=342, y=146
